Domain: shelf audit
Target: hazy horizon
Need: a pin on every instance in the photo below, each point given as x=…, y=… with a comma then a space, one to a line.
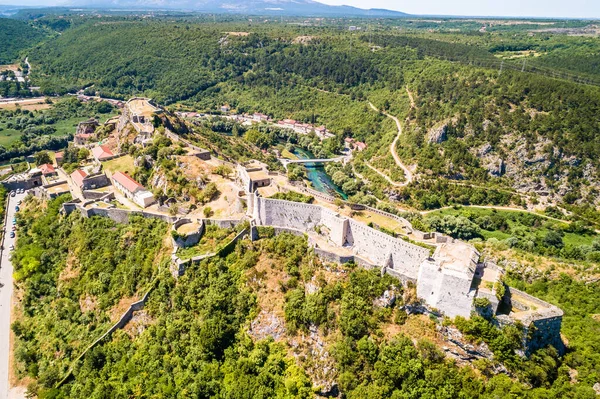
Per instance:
x=580, y=9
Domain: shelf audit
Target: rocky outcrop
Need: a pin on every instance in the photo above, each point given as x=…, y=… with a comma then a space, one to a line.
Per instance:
x=87, y=127
x=438, y=134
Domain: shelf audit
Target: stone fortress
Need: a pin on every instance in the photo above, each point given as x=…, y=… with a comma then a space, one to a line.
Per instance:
x=451, y=280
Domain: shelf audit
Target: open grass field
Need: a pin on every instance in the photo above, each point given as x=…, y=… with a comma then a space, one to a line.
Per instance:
x=519, y=224
x=30, y=104
x=64, y=127
x=121, y=164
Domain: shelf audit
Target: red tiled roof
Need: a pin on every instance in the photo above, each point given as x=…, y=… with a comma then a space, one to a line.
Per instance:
x=102, y=152
x=78, y=177
x=60, y=154
x=47, y=169
x=127, y=182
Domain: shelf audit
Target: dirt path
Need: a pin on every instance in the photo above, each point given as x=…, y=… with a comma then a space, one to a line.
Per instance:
x=408, y=174
x=386, y=177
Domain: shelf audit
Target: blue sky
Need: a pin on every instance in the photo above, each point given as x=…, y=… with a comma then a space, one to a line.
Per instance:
x=533, y=8
x=507, y=8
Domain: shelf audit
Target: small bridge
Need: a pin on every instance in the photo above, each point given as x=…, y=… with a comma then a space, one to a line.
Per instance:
x=285, y=162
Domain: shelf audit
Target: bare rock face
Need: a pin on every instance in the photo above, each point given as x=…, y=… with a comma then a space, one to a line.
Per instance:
x=159, y=181
x=144, y=161
x=438, y=135
x=87, y=127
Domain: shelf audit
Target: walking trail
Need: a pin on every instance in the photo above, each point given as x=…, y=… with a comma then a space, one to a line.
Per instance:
x=407, y=172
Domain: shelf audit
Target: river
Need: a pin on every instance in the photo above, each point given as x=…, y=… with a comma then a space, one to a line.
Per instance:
x=316, y=175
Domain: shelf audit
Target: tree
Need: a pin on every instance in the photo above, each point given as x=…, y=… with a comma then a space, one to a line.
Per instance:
x=42, y=157
x=83, y=154
x=553, y=239
x=223, y=170
x=208, y=212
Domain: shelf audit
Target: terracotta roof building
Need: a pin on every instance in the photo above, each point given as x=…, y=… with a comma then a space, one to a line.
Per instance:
x=78, y=176
x=59, y=157
x=102, y=153
x=132, y=189
x=47, y=169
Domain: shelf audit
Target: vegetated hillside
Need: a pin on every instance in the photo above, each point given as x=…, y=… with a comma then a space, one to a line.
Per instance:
x=77, y=276
x=472, y=121
x=266, y=320
x=16, y=36
x=165, y=60
x=23, y=132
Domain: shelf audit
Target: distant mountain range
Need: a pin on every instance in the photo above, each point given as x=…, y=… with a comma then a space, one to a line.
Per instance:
x=256, y=7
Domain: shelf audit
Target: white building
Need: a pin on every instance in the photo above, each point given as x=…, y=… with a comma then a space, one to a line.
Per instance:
x=133, y=190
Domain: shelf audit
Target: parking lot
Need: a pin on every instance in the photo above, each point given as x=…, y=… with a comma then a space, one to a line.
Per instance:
x=6, y=289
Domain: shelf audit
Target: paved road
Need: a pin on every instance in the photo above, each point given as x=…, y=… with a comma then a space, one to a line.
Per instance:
x=6, y=289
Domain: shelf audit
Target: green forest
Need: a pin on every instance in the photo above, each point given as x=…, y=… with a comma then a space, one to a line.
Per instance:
x=463, y=81
x=16, y=36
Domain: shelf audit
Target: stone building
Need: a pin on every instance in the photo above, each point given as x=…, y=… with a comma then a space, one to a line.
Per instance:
x=133, y=190
x=86, y=181
x=252, y=175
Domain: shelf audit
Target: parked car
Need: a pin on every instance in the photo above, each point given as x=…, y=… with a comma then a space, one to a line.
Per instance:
x=12, y=247
x=17, y=208
x=19, y=202
x=12, y=234
x=12, y=194
x=14, y=228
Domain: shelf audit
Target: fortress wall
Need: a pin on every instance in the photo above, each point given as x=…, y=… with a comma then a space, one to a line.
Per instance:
x=293, y=215
x=445, y=290
x=453, y=295
x=338, y=226
x=428, y=281
x=378, y=246
x=367, y=242
x=224, y=223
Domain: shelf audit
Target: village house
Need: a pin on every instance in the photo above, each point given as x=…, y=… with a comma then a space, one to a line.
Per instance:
x=102, y=153
x=287, y=123
x=86, y=181
x=258, y=117
x=133, y=190
x=360, y=146
x=225, y=108
x=59, y=157
x=321, y=131
x=355, y=145
x=48, y=170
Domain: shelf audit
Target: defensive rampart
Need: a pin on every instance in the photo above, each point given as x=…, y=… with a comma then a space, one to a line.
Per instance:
x=401, y=258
